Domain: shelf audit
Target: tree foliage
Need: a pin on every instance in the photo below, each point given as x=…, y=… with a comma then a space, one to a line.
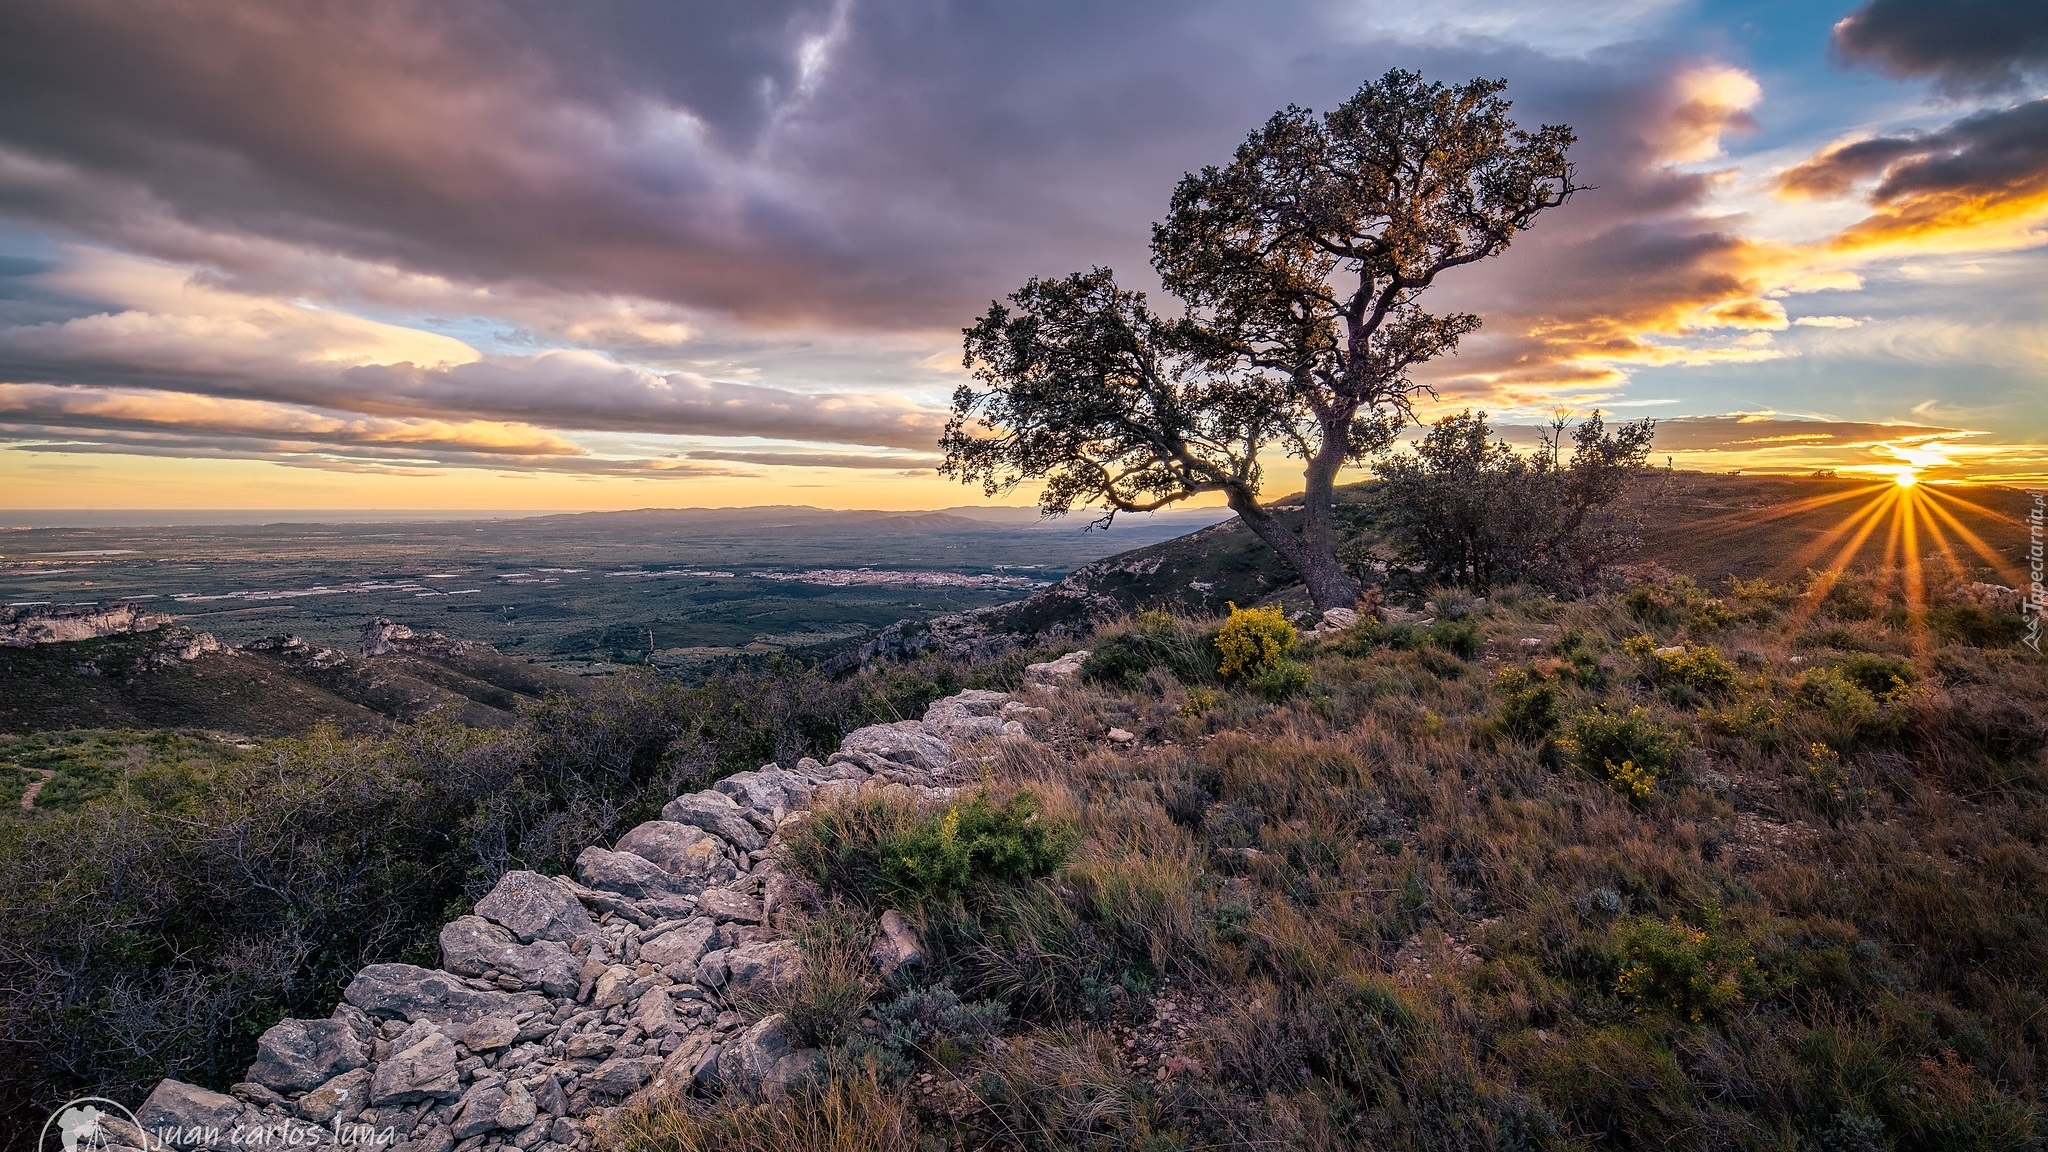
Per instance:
x=1472, y=511
x=1300, y=267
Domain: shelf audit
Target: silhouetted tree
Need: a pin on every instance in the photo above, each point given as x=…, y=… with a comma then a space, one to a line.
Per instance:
x=1470, y=510
x=1300, y=266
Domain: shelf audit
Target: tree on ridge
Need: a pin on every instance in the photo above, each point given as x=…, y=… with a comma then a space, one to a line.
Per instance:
x=1299, y=267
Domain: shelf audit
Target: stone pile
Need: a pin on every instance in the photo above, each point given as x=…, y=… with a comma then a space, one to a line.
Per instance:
x=562, y=996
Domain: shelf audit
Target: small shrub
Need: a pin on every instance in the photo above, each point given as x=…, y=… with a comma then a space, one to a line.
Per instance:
x=1878, y=674
x=908, y=857
x=1199, y=700
x=1154, y=640
x=1632, y=749
x=1281, y=680
x=1699, y=667
x=1531, y=708
x=1459, y=637
x=927, y=1025
x=1672, y=965
x=1253, y=639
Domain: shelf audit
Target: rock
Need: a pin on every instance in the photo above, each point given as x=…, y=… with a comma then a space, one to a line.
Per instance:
x=965, y=715
x=489, y=1107
x=1054, y=673
x=620, y=1075
x=683, y=849
x=296, y=1055
x=724, y=905
x=472, y=945
x=655, y=1012
x=765, y=1060
x=685, y=945
x=770, y=790
x=491, y=1033
x=1121, y=736
x=635, y=878
x=906, y=742
x=896, y=946
x=421, y=1067
x=756, y=971
x=586, y=1045
x=428, y=1138
x=413, y=994
x=715, y=813
x=534, y=907
x=611, y=988
x=833, y=769
x=1337, y=620
x=338, y=1100
x=548, y=1097
x=201, y=1118
x=250, y=1092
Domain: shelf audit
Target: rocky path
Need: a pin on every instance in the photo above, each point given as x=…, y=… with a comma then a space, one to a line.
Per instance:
x=560, y=997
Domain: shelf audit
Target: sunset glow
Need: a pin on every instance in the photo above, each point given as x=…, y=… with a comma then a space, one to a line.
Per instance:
x=317, y=259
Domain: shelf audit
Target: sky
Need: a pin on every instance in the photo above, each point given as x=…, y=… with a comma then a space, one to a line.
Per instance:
x=460, y=254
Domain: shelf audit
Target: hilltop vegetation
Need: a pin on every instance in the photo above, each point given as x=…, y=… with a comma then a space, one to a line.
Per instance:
x=1762, y=866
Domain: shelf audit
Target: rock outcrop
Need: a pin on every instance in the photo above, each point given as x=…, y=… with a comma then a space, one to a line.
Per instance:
x=559, y=998
x=27, y=625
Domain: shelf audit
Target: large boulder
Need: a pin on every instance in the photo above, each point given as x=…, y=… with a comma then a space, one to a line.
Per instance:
x=472, y=945
x=770, y=790
x=297, y=1055
x=965, y=715
x=421, y=1067
x=906, y=742
x=715, y=813
x=185, y=1115
x=533, y=907
x=766, y=1059
x=413, y=994
x=639, y=880
x=682, y=849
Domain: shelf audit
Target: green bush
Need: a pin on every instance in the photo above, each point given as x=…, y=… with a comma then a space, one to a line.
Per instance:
x=1531, y=707
x=1631, y=749
x=1670, y=965
x=908, y=857
x=927, y=1026
x=1281, y=680
x=1153, y=640
x=1877, y=674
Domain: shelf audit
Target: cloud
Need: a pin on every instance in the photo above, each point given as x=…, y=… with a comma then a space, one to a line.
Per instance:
x=1965, y=45
x=1979, y=182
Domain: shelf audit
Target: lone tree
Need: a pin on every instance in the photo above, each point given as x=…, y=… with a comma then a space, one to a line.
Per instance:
x=1299, y=266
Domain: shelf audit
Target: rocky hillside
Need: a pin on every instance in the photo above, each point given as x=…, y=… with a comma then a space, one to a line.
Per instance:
x=560, y=997
x=118, y=667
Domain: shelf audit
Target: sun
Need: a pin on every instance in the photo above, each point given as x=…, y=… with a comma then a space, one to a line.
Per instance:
x=1906, y=478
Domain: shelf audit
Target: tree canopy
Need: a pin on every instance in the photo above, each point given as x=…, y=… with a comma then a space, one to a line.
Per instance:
x=1299, y=268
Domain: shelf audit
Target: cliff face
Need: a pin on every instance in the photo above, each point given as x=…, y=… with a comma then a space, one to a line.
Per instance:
x=24, y=626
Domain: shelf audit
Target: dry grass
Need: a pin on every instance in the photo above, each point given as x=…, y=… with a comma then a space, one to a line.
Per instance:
x=1384, y=916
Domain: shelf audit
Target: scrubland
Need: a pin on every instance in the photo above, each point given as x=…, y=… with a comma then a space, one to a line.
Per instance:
x=1747, y=866
x=1757, y=866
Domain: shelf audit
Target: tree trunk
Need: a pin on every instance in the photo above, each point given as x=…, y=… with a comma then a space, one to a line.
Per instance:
x=1311, y=549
